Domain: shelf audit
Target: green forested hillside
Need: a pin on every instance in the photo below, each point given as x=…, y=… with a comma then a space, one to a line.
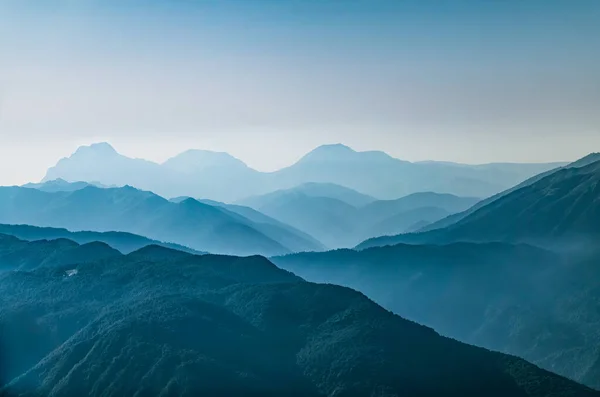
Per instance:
x=152, y=323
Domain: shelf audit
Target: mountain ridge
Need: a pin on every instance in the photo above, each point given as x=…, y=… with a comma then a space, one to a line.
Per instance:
x=147, y=323
x=190, y=223
x=371, y=172
x=557, y=207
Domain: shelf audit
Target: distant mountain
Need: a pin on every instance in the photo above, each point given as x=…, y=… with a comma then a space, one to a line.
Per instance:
x=558, y=210
x=100, y=162
x=194, y=161
x=152, y=323
x=189, y=223
x=289, y=236
x=219, y=176
x=338, y=224
x=124, y=242
x=381, y=209
x=312, y=189
x=513, y=298
x=329, y=220
x=589, y=159
x=60, y=185
x=380, y=175
x=403, y=222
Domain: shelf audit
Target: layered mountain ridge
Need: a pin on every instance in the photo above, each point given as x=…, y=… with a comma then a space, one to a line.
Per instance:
x=189, y=223
x=559, y=209
x=221, y=177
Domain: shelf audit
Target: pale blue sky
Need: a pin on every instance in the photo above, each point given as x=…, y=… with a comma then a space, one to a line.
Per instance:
x=469, y=81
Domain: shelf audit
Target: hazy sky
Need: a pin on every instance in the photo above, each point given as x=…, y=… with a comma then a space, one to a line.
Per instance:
x=267, y=80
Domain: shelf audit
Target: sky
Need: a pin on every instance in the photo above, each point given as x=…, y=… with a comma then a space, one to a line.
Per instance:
x=269, y=80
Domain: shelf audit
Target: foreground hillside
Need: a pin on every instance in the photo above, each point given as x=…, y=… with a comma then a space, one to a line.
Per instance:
x=517, y=299
x=162, y=322
x=189, y=223
x=560, y=210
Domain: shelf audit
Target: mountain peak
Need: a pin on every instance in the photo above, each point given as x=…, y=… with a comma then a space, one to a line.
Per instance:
x=329, y=152
x=101, y=148
x=334, y=148
x=197, y=160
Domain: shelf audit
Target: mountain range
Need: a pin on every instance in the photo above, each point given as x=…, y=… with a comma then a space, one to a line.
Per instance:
x=517, y=299
x=221, y=177
x=163, y=322
x=60, y=185
x=121, y=241
x=559, y=209
x=589, y=159
x=189, y=223
x=334, y=220
x=476, y=280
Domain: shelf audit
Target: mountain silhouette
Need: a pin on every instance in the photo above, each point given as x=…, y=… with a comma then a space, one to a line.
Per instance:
x=558, y=210
x=313, y=189
x=331, y=221
x=338, y=224
x=221, y=177
x=517, y=299
x=124, y=242
x=381, y=209
x=294, y=239
x=60, y=185
x=149, y=323
x=189, y=223
x=454, y=218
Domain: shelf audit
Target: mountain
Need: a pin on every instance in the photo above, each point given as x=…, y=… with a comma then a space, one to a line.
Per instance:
x=558, y=210
x=100, y=162
x=454, y=218
x=331, y=221
x=154, y=324
x=377, y=174
x=381, y=209
x=517, y=299
x=124, y=242
x=16, y=254
x=194, y=161
x=287, y=235
x=213, y=175
x=312, y=189
x=189, y=223
x=221, y=177
x=338, y=224
x=403, y=222
x=60, y=185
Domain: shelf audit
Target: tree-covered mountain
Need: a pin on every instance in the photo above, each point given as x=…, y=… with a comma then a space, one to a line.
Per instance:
x=221, y=177
x=16, y=254
x=124, y=242
x=560, y=210
x=517, y=299
x=190, y=223
x=162, y=322
x=338, y=224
